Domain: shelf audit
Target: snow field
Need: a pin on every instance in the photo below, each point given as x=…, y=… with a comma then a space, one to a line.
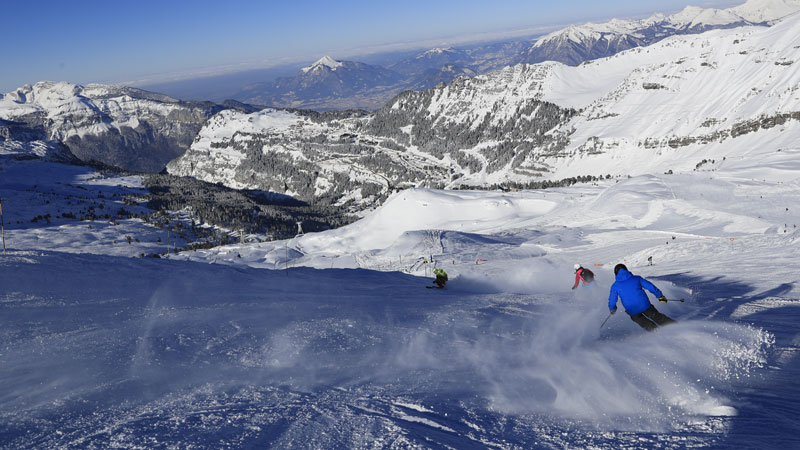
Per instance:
x=217, y=346
x=545, y=354
x=329, y=340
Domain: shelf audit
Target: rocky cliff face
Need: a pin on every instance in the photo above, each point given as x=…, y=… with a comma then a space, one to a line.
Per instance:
x=21, y=141
x=496, y=125
x=123, y=127
x=319, y=158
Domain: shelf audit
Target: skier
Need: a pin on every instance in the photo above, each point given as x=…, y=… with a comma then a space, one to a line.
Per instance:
x=441, y=277
x=582, y=274
x=629, y=288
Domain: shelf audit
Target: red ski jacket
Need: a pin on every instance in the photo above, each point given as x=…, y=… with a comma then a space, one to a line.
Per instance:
x=583, y=274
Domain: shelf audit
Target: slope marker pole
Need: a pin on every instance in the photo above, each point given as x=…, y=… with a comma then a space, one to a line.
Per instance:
x=2, y=226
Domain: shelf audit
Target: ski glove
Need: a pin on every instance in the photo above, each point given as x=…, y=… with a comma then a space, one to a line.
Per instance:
x=662, y=299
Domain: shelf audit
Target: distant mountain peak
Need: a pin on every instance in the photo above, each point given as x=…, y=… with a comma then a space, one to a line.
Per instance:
x=437, y=51
x=655, y=18
x=768, y=11
x=325, y=61
x=577, y=43
x=693, y=16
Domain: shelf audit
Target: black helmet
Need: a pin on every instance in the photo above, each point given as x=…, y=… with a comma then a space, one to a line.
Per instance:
x=618, y=267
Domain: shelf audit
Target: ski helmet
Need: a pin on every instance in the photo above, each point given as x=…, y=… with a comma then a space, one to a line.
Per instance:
x=618, y=267
x=576, y=267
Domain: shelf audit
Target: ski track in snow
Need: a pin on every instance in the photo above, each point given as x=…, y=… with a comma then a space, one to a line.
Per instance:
x=346, y=349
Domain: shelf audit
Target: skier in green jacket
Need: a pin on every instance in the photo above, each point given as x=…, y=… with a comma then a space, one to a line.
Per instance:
x=441, y=277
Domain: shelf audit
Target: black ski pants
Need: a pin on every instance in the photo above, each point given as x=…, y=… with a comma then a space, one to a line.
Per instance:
x=650, y=319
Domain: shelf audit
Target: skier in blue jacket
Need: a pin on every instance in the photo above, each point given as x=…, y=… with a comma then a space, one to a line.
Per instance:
x=630, y=289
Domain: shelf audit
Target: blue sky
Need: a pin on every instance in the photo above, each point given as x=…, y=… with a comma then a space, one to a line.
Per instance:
x=85, y=41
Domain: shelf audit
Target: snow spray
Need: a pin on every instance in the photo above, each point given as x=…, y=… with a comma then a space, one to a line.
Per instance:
x=535, y=353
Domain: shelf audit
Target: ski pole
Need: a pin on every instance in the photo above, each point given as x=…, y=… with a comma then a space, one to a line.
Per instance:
x=604, y=322
x=675, y=300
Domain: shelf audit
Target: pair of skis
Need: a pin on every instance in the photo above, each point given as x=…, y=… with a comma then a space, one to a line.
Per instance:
x=668, y=300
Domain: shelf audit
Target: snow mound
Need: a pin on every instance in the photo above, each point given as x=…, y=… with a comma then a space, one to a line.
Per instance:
x=424, y=209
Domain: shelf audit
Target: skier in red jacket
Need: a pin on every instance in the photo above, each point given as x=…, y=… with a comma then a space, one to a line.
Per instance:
x=582, y=274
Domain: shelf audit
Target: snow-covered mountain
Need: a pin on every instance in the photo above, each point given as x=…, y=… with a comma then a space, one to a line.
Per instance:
x=326, y=62
x=443, y=74
x=522, y=125
x=666, y=107
x=331, y=84
x=722, y=94
x=652, y=106
x=325, y=84
x=117, y=126
x=319, y=158
x=766, y=11
x=577, y=43
x=571, y=45
x=584, y=42
x=433, y=59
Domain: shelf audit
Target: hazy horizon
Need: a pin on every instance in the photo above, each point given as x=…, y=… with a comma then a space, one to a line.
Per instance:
x=159, y=42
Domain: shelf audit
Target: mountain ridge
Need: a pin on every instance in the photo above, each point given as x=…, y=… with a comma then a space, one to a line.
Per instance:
x=120, y=126
x=572, y=45
x=529, y=124
x=523, y=125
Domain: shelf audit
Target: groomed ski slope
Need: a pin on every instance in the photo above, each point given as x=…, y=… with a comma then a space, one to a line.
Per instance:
x=341, y=346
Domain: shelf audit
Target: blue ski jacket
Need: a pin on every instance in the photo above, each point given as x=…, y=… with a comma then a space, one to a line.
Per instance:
x=629, y=288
